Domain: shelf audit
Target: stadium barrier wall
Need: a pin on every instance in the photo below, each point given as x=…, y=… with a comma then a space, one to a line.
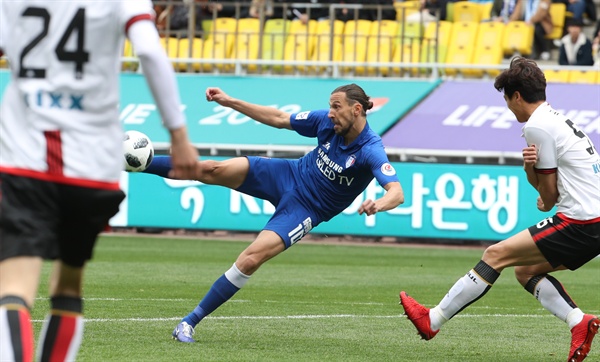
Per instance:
x=448, y=201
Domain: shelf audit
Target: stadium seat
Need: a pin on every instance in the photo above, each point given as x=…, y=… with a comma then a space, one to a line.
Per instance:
x=487, y=51
x=354, y=46
x=558, y=14
x=273, y=41
x=300, y=44
x=584, y=76
x=556, y=76
x=247, y=41
x=518, y=38
x=486, y=10
x=435, y=42
x=381, y=44
x=465, y=11
x=127, y=53
x=171, y=46
x=462, y=45
x=408, y=45
x=405, y=9
x=219, y=43
x=186, y=51
x=328, y=43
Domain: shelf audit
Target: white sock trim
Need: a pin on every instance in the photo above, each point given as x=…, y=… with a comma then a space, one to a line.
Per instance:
x=574, y=317
x=236, y=277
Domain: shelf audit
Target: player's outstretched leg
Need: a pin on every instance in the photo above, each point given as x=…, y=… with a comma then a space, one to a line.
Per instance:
x=418, y=315
x=581, y=337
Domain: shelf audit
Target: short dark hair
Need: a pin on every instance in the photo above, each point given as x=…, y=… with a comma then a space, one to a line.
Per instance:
x=354, y=94
x=525, y=77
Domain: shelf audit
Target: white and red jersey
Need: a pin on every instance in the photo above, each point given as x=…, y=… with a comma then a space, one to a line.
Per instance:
x=565, y=149
x=59, y=119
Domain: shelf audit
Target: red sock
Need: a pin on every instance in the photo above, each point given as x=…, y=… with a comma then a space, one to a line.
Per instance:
x=62, y=331
x=16, y=333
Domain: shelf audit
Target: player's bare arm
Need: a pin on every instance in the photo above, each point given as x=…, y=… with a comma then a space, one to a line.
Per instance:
x=263, y=114
x=530, y=158
x=394, y=196
x=183, y=155
x=548, y=189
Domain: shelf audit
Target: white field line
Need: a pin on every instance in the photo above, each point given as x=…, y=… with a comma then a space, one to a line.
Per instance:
x=306, y=316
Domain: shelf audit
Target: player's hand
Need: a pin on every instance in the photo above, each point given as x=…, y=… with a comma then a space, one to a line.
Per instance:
x=540, y=204
x=530, y=156
x=184, y=157
x=214, y=94
x=368, y=207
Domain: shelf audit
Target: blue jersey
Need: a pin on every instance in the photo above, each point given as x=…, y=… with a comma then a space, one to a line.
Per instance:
x=333, y=174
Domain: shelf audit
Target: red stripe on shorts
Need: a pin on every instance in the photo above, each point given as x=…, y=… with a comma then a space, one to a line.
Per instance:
x=557, y=227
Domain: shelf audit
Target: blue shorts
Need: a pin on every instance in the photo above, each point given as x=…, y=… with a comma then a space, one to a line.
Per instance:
x=275, y=180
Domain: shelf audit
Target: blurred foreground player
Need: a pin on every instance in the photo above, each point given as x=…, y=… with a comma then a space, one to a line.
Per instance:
x=563, y=165
x=61, y=153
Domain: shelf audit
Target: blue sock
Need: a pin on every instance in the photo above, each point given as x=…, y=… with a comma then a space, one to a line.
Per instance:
x=160, y=165
x=220, y=292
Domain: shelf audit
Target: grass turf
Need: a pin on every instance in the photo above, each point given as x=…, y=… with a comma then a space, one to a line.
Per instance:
x=311, y=303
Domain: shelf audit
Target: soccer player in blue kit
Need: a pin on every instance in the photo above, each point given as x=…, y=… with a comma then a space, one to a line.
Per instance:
x=305, y=191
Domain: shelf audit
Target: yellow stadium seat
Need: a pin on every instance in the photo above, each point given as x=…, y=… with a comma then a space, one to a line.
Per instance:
x=462, y=44
x=435, y=42
x=583, y=76
x=405, y=9
x=171, y=46
x=328, y=43
x=407, y=53
x=354, y=46
x=186, y=51
x=487, y=51
x=300, y=43
x=467, y=11
x=486, y=10
x=219, y=43
x=127, y=53
x=556, y=76
x=381, y=44
x=518, y=38
x=247, y=40
x=273, y=41
x=557, y=13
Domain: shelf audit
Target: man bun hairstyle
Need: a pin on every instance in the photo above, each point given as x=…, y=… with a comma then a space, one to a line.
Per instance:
x=355, y=93
x=523, y=76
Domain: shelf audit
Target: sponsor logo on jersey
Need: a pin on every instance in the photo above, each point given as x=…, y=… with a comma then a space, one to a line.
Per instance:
x=302, y=115
x=350, y=160
x=388, y=169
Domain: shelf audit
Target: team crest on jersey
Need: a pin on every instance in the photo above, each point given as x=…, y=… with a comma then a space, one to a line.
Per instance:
x=326, y=146
x=302, y=115
x=388, y=169
x=350, y=161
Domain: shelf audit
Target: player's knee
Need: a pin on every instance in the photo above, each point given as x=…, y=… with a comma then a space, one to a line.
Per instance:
x=210, y=171
x=494, y=256
x=523, y=274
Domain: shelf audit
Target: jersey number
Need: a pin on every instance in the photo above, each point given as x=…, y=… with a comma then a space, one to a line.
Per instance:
x=580, y=134
x=79, y=56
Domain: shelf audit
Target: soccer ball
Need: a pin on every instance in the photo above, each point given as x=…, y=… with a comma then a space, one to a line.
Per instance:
x=138, y=151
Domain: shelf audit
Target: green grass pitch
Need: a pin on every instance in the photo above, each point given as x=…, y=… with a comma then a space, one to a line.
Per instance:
x=315, y=302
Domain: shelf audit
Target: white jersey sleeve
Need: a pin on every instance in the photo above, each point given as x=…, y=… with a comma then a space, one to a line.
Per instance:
x=545, y=145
